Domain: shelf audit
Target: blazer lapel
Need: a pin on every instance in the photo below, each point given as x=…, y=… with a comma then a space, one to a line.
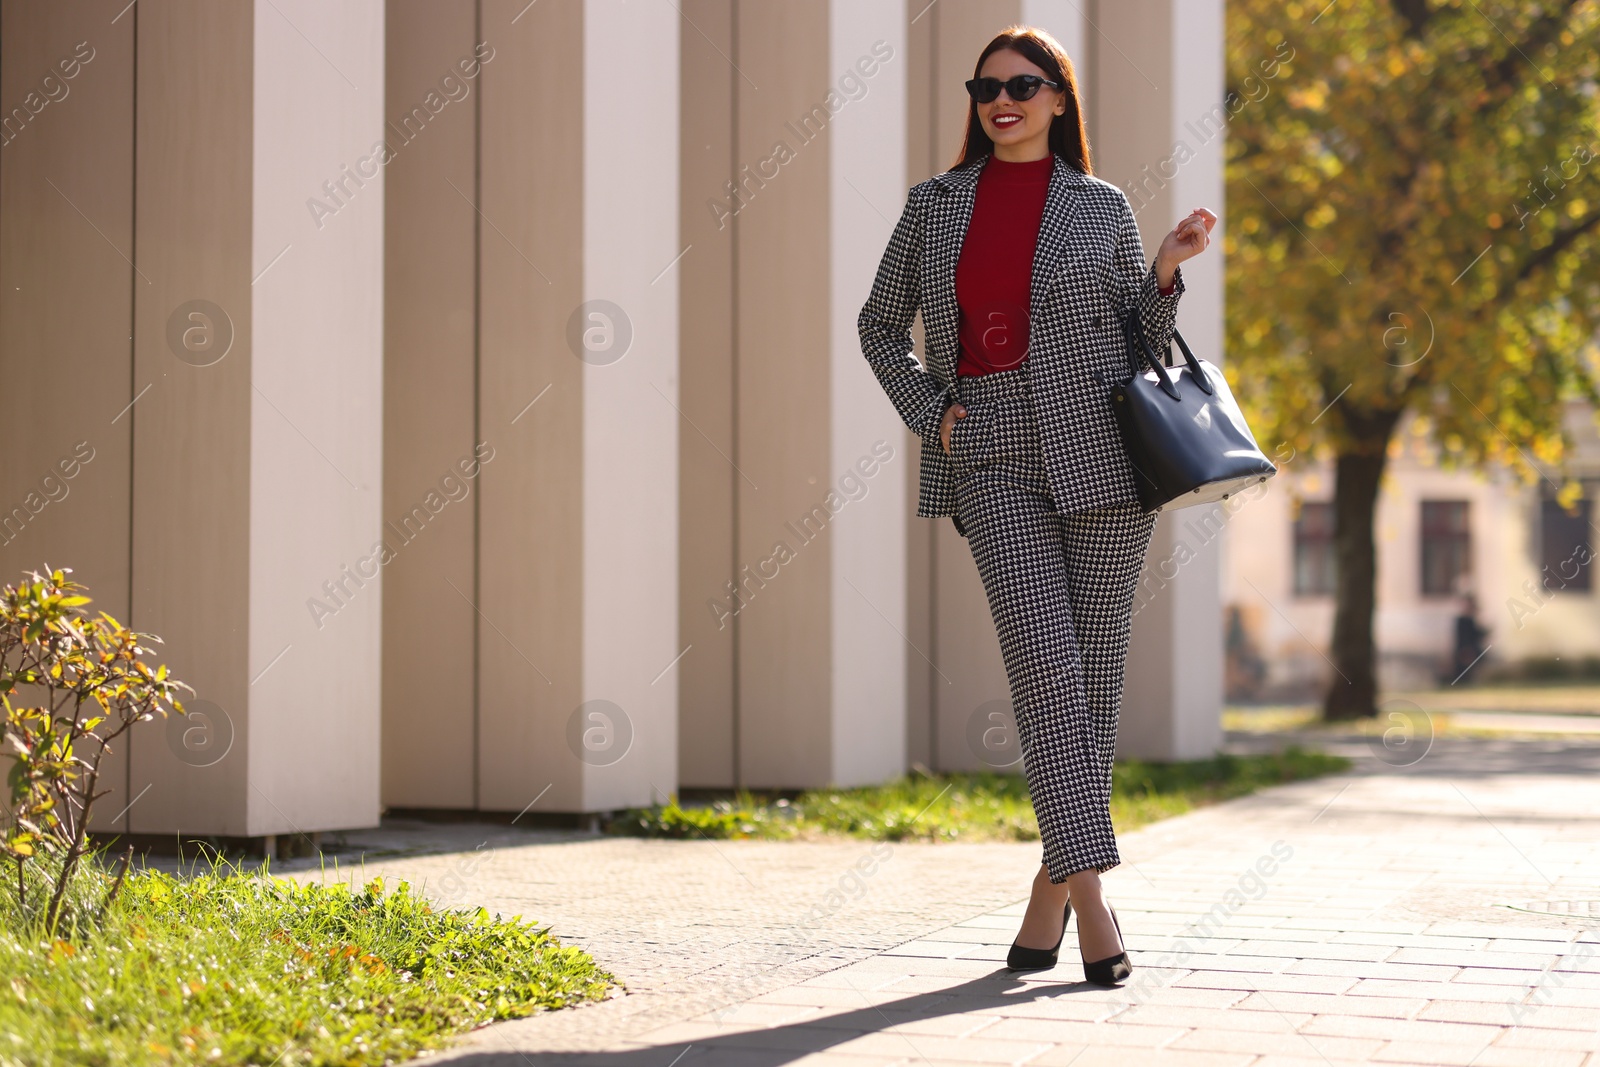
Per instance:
x=947, y=232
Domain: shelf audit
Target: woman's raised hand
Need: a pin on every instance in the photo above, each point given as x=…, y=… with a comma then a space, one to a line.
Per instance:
x=1188, y=238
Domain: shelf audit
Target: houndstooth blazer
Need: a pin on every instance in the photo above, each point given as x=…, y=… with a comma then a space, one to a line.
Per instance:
x=1088, y=250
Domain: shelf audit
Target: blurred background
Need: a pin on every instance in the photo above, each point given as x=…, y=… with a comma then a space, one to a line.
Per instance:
x=468, y=392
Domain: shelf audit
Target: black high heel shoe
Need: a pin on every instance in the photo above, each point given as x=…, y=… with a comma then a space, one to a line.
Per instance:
x=1021, y=958
x=1112, y=969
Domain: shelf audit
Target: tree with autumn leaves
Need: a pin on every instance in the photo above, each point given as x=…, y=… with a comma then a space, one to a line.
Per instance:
x=1414, y=222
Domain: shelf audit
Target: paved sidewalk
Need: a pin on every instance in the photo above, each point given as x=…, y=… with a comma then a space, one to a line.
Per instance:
x=1359, y=919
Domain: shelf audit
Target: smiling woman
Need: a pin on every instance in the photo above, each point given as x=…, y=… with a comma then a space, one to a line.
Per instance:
x=1020, y=262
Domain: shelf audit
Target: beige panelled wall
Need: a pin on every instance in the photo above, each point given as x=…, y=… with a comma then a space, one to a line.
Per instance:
x=223, y=355
x=526, y=239
x=66, y=306
x=562, y=524
x=760, y=251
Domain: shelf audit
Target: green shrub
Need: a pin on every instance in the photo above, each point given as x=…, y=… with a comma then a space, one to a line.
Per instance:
x=80, y=684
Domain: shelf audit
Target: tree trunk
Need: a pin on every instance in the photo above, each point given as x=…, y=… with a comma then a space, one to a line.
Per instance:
x=1353, y=688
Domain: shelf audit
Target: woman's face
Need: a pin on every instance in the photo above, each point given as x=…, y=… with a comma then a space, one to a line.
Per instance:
x=1020, y=121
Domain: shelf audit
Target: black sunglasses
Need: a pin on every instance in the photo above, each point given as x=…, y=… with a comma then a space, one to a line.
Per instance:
x=1020, y=87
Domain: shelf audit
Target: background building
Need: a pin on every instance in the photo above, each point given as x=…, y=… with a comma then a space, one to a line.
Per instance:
x=1523, y=556
x=439, y=377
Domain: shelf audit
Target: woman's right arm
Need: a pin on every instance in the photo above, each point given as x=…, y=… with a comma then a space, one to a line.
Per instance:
x=885, y=327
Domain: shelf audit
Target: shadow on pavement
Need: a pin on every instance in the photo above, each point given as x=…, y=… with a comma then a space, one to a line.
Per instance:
x=772, y=1046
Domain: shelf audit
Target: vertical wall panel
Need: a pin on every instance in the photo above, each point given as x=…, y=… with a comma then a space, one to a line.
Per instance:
x=191, y=424
x=871, y=463
x=430, y=403
x=783, y=395
x=709, y=615
x=530, y=511
x=316, y=422
x=630, y=419
x=66, y=312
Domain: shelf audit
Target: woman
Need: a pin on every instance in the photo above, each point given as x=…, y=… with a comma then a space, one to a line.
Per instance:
x=1020, y=262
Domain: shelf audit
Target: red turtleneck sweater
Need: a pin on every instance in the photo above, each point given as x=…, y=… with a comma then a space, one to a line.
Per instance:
x=995, y=269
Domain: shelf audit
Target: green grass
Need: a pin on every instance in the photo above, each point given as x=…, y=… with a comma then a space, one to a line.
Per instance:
x=232, y=967
x=984, y=806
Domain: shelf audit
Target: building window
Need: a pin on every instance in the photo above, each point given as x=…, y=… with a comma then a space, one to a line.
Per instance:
x=1566, y=548
x=1446, y=547
x=1313, y=549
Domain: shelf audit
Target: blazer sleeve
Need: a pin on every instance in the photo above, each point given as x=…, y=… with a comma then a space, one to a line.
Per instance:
x=1158, y=312
x=885, y=326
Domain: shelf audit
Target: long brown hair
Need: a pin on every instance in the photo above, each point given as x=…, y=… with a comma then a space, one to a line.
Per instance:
x=1068, y=138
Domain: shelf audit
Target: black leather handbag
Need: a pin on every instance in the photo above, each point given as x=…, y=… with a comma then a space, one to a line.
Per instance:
x=1185, y=436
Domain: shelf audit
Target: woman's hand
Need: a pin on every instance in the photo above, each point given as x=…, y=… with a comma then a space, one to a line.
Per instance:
x=951, y=414
x=1188, y=238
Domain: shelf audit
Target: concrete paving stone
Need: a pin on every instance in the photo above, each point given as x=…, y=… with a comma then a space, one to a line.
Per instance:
x=1369, y=926
x=907, y=985
x=1293, y=1043
x=809, y=994
x=1140, y=939
x=1541, y=1037
x=978, y=935
x=1320, y=950
x=1528, y=1057
x=1501, y=961
x=1136, y=995
x=992, y=921
x=752, y=1013
x=1388, y=987
x=834, y=1059
x=1280, y=1002
x=1131, y=1035
x=715, y=1056
x=1431, y=1052
x=947, y=950
x=1529, y=942
x=1492, y=931
x=1491, y=976
x=1253, y=981
x=879, y=966
x=891, y=1021
x=1372, y=1026
x=789, y=1038
x=980, y=1049
x=841, y=979
x=1515, y=1012
x=1565, y=995
x=1413, y=940
x=1273, y=1059
x=1406, y=972
x=1070, y=1055
x=1198, y=1018
x=1573, y=979
x=1065, y=1006
x=1202, y=961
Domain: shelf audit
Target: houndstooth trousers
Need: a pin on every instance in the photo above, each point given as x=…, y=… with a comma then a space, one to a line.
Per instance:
x=1060, y=589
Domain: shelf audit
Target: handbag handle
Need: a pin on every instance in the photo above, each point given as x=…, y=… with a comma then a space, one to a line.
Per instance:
x=1132, y=321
